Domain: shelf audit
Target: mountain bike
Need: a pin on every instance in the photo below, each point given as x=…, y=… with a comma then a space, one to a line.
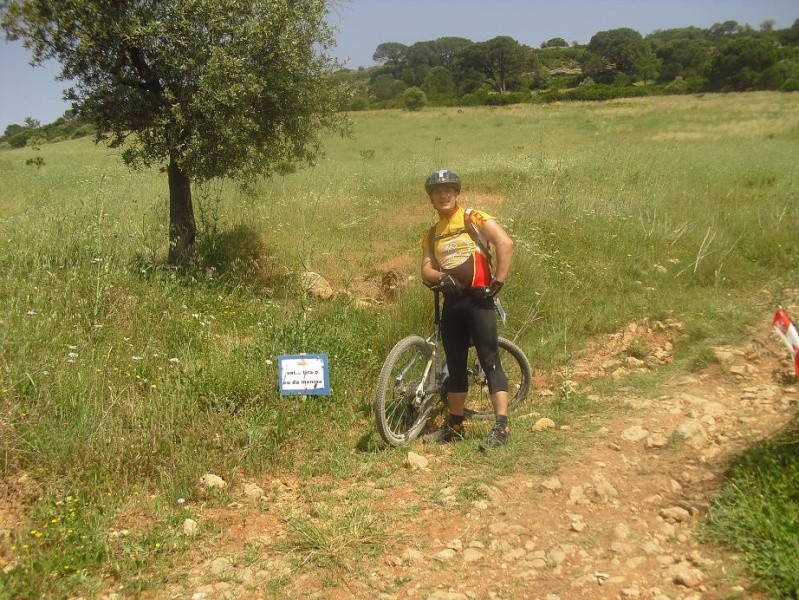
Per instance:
x=414, y=377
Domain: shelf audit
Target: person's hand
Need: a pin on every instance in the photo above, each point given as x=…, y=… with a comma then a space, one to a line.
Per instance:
x=449, y=286
x=493, y=289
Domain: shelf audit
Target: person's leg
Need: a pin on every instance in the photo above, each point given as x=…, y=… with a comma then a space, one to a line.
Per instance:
x=455, y=338
x=482, y=324
x=483, y=328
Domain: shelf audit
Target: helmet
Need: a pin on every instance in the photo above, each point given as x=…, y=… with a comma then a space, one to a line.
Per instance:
x=443, y=177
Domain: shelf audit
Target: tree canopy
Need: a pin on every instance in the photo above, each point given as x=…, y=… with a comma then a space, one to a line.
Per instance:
x=616, y=62
x=202, y=88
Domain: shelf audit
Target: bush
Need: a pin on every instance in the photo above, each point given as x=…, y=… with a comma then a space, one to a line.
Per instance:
x=506, y=99
x=37, y=162
x=20, y=140
x=790, y=85
x=414, y=99
x=595, y=93
x=357, y=103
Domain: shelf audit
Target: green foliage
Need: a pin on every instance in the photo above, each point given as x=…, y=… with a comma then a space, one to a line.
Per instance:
x=165, y=70
x=36, y=161
x=757, y=512
x=623, y=51
x=438, y=82
x=121, y=375
x=414, y=99
x=20, y=139
x=332, y=541
x=637, y=347
x=593, y=93
x=205, y=89
x=555, y=43
x=679, y=59
x=741, y=65
x=70, y=536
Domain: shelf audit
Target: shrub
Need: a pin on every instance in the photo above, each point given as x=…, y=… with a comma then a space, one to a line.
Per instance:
x=414, y=99
x=37, y=162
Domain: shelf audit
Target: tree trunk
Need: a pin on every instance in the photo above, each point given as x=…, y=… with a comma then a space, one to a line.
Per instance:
x=182, y=228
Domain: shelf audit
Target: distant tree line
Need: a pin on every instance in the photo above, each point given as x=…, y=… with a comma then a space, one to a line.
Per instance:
x=32, y=133
x=615, y=63
x=455, y=71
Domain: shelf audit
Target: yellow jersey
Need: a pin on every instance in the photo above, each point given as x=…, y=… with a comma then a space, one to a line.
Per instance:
x=455, y=250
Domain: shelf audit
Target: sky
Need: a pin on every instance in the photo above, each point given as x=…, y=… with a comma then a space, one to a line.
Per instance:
x=364, y=24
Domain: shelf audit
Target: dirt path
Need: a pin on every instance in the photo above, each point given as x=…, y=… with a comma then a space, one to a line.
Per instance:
x=617, y=519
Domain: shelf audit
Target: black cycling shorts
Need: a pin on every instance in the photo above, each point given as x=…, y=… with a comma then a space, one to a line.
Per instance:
x=465, y=320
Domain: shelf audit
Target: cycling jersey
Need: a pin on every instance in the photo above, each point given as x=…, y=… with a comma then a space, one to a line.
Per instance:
x=455, y=250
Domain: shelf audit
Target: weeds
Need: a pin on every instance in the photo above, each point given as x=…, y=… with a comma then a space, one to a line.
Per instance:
x=757, y=512
x=336, y=542
x=120, y=374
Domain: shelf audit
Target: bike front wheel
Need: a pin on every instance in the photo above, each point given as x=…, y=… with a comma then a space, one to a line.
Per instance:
x=520, y=376
x=405, y=391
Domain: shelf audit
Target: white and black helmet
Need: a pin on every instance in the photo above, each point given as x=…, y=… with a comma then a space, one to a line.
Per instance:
x=443, y=177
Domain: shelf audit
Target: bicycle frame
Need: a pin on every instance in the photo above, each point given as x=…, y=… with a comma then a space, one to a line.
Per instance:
x=433, y=363
x=415, y=373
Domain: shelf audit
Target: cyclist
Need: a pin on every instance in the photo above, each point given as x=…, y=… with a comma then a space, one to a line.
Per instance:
x=455, y=258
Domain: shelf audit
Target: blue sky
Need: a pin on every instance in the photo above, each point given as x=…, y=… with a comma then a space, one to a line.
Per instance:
x=363, y=24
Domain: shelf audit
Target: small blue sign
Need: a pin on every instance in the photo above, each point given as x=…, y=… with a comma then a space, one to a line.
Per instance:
x=306, y=374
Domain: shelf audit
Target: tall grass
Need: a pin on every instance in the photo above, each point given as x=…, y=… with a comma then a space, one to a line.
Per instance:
x=120, y=376
x=757, y=513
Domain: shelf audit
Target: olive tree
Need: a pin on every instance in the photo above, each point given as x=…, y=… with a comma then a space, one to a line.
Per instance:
x=201, y=88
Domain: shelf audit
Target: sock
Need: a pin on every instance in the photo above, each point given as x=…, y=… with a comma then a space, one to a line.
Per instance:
x=502, y=421
x=455, y=421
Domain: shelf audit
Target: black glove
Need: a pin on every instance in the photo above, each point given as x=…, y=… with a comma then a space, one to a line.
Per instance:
x=493, y=289
x=449, y=286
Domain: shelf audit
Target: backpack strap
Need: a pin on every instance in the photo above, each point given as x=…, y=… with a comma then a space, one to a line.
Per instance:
x=477, y=237
x=431, y=247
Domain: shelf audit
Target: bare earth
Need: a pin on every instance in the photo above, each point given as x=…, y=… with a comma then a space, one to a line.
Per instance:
x=616, y=519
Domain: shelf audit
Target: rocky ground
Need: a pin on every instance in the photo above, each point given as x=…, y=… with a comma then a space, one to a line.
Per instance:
x=617, y=519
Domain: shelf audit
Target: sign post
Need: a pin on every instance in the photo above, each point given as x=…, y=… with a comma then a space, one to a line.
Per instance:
x=306, y=374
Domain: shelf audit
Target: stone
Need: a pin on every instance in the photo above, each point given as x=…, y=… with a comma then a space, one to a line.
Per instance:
x=253, y=491
x=693, y=432
x=543, y=423
x=621, y=531
x=211, y=481
x=220, y=566
x=412, y=556
x=445, y=555
x=440, y=595
x=675, y=514
x=636, y=433
x=190, y=527
x=552, y=484
x=687, y=576
x=657, y=441
x=472, y=555
x=416, y=462
x=317, y=286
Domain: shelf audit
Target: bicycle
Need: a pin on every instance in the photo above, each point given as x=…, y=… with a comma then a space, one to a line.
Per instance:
x=415, y=373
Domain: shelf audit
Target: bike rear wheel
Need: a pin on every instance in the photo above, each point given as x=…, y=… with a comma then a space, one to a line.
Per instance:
x=401, y=413
x=520, y=376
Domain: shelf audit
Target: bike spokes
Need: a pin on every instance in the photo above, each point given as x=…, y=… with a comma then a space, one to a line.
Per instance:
x=405, y=389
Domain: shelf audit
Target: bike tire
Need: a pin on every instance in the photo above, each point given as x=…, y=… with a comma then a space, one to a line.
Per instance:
x=520, y=380
x=398, y=417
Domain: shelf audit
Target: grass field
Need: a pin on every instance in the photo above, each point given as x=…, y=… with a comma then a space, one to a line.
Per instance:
x=123, y=381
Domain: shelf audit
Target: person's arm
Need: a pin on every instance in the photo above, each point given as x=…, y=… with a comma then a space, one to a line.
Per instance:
x=430, y=275
x=503, y=243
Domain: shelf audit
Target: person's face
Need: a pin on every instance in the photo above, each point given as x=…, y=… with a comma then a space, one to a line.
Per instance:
x=444, y=198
